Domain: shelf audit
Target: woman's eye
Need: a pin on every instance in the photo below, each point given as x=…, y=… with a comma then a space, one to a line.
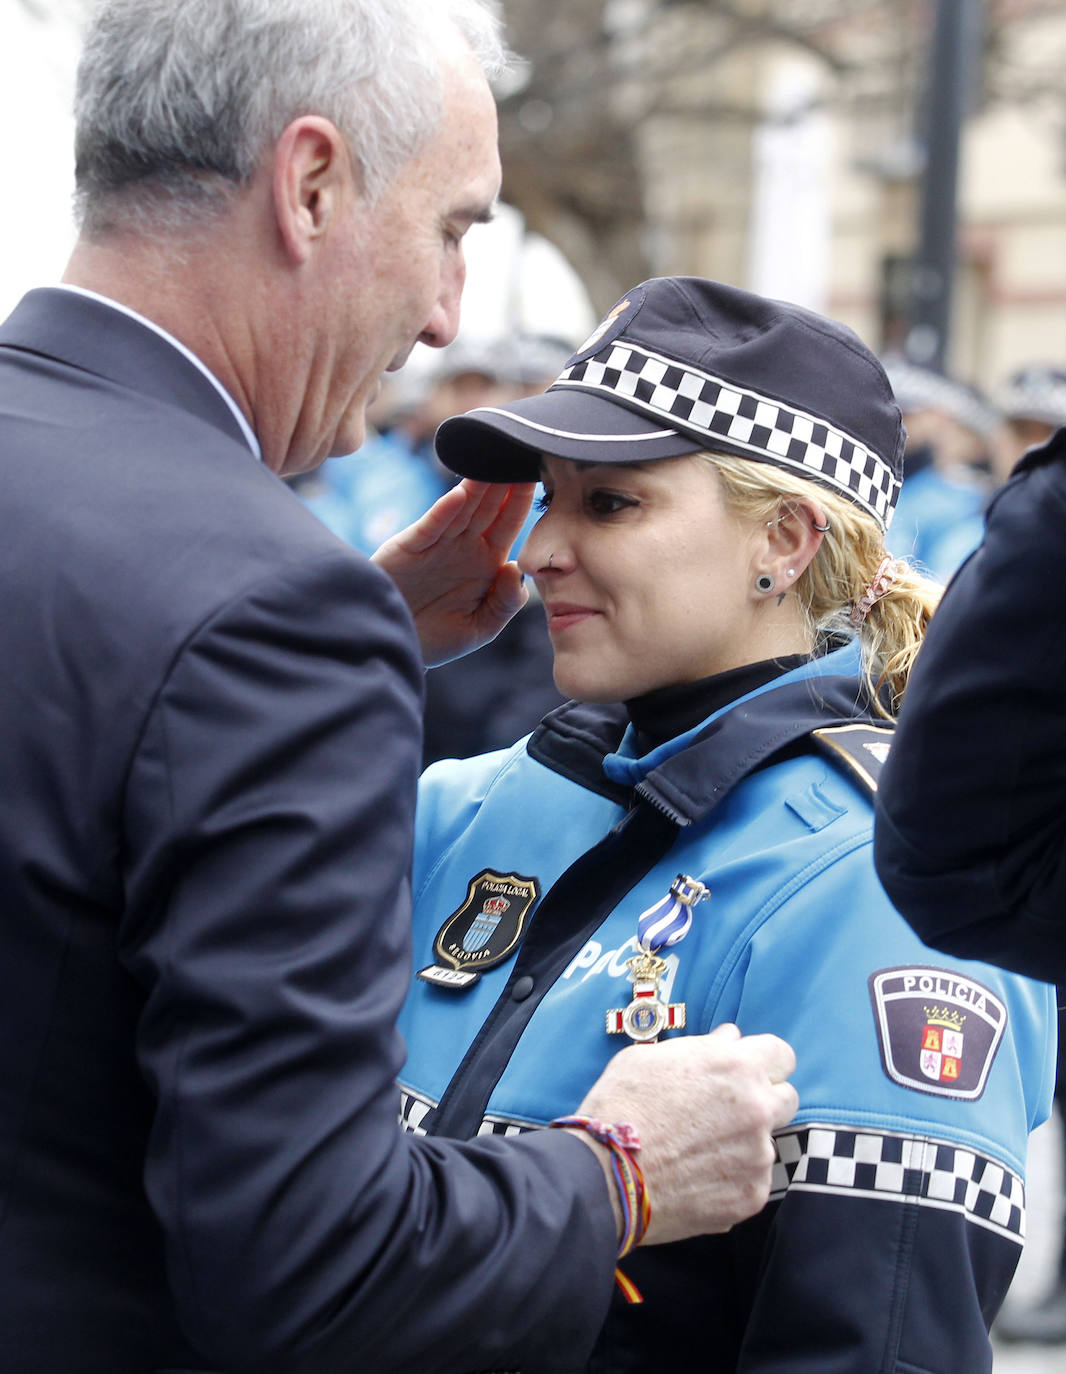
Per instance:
x=609, y=502
x=542, y=502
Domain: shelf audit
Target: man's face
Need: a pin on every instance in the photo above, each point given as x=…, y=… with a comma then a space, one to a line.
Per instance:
x=400, y=274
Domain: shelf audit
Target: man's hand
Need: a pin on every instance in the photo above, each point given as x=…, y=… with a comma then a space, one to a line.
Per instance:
x=451, y=567
x=704, y=1106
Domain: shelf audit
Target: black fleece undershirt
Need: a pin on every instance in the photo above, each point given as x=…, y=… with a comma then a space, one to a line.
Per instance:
x=669, y=711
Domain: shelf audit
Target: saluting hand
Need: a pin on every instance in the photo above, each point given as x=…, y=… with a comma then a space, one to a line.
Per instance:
x=452, y=570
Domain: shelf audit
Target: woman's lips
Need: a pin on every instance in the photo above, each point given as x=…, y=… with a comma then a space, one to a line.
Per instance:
x=562, y=615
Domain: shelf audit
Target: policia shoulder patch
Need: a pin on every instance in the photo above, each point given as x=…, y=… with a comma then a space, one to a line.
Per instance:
x=938, y=1031
x=484, y=931
x=863, y=748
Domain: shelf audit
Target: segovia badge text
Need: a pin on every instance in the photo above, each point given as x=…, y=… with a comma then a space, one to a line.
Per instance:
x=483, y=931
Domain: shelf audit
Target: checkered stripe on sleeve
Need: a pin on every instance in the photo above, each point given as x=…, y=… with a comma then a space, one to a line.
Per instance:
x=414, y=1108
x=901, y=1168
x=413, y=1111
x=721, y=412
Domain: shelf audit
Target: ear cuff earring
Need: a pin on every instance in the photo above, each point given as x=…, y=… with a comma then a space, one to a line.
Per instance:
x=822, y=529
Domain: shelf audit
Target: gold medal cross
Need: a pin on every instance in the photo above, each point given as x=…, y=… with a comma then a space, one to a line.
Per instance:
x=647, y=1015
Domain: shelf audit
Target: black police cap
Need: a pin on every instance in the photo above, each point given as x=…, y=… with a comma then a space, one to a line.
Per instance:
x=683, y=364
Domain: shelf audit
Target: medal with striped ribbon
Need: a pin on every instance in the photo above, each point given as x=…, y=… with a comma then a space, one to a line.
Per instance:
x=658, y=928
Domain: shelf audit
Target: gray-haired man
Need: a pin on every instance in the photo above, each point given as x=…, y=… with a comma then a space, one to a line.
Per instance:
x=209, y=737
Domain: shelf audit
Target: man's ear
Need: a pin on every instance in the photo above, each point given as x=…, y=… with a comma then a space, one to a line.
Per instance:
x=312, y=174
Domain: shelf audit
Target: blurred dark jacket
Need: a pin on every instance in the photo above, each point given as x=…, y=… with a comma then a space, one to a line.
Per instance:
x=971, y=816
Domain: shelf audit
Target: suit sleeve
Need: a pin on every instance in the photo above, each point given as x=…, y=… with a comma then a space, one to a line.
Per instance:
x=269, y=815
x=971, y=823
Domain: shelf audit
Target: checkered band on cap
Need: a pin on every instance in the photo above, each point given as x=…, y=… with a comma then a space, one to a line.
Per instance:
x=739, y=419
x=1035, y=394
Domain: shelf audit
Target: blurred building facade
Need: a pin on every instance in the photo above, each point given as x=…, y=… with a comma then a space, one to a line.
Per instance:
x=778, y=144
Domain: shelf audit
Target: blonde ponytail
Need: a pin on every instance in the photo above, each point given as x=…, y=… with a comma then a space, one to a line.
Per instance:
x=842, y=572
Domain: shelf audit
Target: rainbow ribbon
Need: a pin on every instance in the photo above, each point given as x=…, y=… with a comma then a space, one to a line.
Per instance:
x=623, y=1142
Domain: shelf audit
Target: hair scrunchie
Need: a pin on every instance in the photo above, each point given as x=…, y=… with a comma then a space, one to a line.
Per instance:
x=886, y=576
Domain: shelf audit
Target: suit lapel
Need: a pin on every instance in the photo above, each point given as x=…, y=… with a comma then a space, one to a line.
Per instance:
x=88, y=335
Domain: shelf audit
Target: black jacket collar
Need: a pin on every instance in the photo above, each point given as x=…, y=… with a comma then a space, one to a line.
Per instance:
x=574, y=739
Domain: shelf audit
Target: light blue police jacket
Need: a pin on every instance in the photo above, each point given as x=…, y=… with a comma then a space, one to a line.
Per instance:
x=919, y=1077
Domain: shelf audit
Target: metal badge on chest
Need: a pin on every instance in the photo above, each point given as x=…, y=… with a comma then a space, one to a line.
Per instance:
x=484, y=931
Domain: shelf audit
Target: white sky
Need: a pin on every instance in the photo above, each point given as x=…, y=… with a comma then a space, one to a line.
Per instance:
x=37, y=60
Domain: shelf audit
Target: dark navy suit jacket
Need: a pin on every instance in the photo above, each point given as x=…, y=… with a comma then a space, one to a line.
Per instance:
x=209, y=741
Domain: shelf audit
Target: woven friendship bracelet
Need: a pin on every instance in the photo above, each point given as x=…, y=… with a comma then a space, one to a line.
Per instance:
x=623, y=1142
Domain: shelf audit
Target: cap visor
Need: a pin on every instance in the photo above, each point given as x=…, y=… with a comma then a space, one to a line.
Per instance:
x=504, y=443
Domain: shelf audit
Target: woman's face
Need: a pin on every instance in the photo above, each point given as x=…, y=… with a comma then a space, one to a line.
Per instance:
x=646, y=579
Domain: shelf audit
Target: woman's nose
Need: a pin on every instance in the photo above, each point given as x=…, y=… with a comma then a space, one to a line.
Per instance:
x=540, y=553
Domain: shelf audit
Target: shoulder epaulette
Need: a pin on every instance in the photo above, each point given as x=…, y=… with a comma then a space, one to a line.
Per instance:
x=863, y=748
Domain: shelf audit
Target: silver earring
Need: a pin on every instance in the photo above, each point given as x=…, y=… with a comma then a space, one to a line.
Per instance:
x=822, y=529
x=764, y=583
